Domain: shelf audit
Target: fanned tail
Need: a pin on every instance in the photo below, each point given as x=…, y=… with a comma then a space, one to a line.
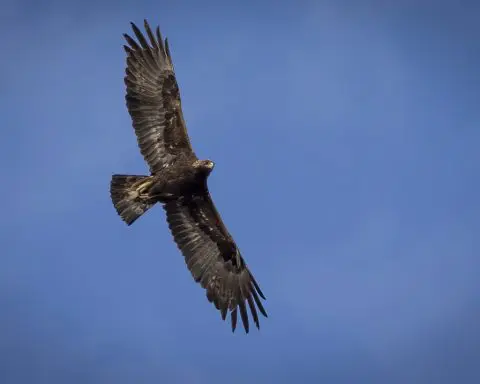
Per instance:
x=125, y=191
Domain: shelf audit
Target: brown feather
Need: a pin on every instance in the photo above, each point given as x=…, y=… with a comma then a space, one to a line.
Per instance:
x=153, y=101
x=179, y=182
x=215, y=261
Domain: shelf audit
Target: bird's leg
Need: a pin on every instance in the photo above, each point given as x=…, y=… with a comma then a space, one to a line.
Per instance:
x=157, y=188
x=158, y=192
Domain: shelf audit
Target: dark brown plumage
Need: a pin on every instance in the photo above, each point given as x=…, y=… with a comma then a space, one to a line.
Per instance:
x=178, y=181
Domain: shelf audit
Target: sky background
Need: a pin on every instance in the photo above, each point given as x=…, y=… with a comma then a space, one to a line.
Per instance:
x=345, y=136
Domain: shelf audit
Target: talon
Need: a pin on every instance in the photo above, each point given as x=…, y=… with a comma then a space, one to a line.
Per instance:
x=144, y=185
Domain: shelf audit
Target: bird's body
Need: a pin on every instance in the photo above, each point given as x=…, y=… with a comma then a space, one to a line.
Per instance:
x=178, y=181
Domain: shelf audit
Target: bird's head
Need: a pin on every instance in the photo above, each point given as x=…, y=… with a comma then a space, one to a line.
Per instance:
x=205, y=165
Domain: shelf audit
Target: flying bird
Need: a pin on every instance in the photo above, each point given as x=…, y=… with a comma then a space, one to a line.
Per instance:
x=178, y=181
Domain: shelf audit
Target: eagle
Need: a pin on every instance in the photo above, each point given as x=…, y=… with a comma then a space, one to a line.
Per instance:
x=178, y=181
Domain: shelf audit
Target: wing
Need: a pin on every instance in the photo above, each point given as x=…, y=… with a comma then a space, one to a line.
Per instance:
x=153, y=100
x=214, y=259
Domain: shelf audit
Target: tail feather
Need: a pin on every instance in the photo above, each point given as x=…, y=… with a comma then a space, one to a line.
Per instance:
x=126, y=198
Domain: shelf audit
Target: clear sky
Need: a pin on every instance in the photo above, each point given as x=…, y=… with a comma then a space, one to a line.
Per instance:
x=345, y=136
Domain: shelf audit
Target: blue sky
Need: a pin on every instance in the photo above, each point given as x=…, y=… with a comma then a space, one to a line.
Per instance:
x=346, y=139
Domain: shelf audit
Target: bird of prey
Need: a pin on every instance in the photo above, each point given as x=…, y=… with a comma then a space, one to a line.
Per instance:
x=178, y=181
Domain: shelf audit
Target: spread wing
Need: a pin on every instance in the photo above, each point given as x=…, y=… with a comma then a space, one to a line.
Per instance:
x=214, y=259
x=153, y=100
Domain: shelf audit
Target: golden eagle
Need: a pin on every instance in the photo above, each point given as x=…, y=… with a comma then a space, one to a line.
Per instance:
x=178, y=181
